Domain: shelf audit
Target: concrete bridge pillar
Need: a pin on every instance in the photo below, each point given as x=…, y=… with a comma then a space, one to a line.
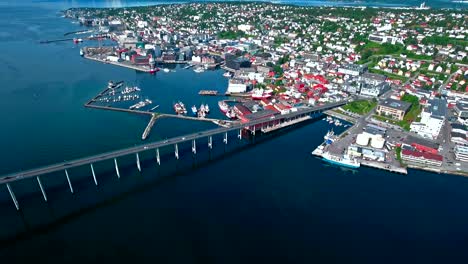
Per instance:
x=176, y=152
x=116, y=168
x=158, y=158
x=42, y=188
x=194, y=146
x=13, y=197
x=94, y=174
x=240, y=134
x=210, y=142
x=69, y=182
x=225, y=138
x=138, y=162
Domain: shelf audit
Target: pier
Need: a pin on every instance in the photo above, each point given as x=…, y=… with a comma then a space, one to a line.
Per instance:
x=121, y=64
x=154, y=146
x=284, y=124
x=149, y=127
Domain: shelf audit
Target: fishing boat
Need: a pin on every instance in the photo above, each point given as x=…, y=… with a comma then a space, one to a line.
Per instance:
x=154, y=70
x=179, y=108
x=259, y=94
x=223, y=106
x=231, y=114
x=329, y=137
x=344, y=160
x=194, y=110
x=207, y=108
x=81, y=52
x=166, y=70
x=199, y=69
x=227, y=74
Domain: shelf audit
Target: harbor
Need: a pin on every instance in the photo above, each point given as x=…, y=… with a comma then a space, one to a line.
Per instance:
x=344, y=149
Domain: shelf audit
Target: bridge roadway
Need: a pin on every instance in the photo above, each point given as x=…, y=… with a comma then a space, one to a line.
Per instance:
x=150, y=146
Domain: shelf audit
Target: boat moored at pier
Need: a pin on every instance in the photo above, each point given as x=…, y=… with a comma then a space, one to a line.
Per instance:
x=343, y=160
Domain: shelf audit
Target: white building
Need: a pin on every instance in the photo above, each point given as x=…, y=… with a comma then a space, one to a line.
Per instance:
x=432, y=119
x=237, y=86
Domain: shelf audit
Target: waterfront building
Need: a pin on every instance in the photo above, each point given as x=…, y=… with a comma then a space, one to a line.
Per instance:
x=393, y=108
x=424, y=158
x=237, y=86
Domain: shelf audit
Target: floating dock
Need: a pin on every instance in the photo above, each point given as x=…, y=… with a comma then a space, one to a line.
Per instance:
x=208, y=92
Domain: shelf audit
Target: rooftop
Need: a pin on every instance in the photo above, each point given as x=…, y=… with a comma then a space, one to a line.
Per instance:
x=396, y=104
x=438, y=107
x=423, y=142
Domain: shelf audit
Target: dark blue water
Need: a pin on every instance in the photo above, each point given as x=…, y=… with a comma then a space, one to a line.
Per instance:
x=263, y=199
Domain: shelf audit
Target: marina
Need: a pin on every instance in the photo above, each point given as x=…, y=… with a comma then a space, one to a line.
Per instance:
x=81, y=185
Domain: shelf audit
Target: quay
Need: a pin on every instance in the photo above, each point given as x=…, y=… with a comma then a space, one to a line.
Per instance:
x=345, y=139
x=154, y=146
x=121, y=64
x=336, y=114
x=227, y=69
x=382, y=166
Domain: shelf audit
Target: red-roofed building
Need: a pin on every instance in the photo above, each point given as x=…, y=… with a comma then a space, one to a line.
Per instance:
x=421, y=157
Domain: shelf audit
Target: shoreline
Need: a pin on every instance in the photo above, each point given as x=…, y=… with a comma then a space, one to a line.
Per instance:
x=324, y=4
x=406, y=166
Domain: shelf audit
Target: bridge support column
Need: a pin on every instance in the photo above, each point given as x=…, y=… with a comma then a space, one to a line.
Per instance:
x=138, y=162
x=253, y=131
x=194, y=146
x=176, y=152
x=13, y=197
x=94, y=174
x=210, y=142
x=69, y=182
x=42, y=188
x=116, y=168
x=158, y=158
x=240, y=134
x=225, y=138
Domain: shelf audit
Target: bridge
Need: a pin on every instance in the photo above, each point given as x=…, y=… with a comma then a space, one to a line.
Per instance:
x=155, y=146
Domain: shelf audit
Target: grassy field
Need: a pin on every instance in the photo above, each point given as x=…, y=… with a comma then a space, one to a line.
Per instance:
x=361, y=106
x=403, y=124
